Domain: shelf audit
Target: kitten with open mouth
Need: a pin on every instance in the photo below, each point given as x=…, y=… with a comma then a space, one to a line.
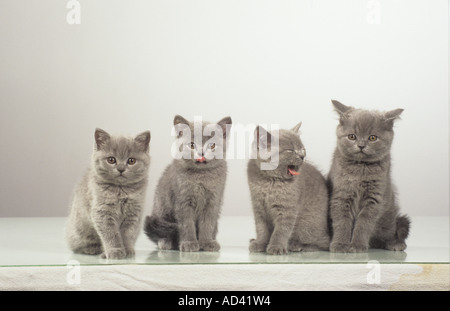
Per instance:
x=290, y=201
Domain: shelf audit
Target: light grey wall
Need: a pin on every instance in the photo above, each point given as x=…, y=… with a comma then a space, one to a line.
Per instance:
x=132, y=65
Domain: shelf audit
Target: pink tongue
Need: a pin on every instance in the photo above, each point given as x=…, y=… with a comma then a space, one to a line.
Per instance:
x=293, y=172
x=202, y=159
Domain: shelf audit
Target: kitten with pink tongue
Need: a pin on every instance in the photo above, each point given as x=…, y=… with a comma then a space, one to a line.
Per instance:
x=290, y=200
x=189, y=195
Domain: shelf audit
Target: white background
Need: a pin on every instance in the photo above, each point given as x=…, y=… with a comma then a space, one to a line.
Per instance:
x=132, y=65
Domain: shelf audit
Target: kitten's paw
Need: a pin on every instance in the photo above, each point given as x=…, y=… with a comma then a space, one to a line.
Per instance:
x=256, y=247
x=299, y=247
x=358, y=248
x=90, y=250
x=336, y=247
x=295, y=246
x=209, y=246
x=276, y=250
x=114, y=253
x=129, y=253
x=165, y=244
x=396, y=246
x=189, y=246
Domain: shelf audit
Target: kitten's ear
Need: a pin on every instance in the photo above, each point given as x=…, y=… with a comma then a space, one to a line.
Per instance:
x=296, y=128
x=143, y=140
x=341, y=109
x=262, y=137
x=101, y=138
x=223, y=124
x=391, y=116
x=180, y=120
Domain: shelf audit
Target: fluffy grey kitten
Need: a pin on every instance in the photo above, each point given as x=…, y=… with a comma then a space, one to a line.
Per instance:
x=290, y=202
x=189, y=194
x=363, y=209
x=106, y=212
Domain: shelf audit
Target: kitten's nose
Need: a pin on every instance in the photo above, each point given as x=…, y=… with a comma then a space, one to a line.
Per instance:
x=362, y=147
x=301, y=154
x=121, y=168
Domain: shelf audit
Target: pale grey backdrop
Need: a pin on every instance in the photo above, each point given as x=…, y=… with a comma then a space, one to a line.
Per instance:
x=132, y=65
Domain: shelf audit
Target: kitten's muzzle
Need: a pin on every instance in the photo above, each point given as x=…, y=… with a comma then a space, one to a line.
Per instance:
x=293, y=169
x=121, y=168
x=300, y=154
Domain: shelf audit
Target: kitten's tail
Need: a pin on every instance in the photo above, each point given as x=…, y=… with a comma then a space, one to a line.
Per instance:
x=403, y=223
x=157, y=228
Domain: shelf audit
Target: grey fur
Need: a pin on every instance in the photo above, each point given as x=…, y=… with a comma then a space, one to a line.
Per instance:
x=189, y=194
x=290, y=211
x=363, y=209
x=106, y=212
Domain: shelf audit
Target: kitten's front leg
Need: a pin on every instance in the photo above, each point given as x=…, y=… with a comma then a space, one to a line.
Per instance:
x=207, y=229
x=364, y=225
x=284, y=221
x=108, y=229
x=342, y=223
x=129, y=231
x=185, y=217
x=262, y=233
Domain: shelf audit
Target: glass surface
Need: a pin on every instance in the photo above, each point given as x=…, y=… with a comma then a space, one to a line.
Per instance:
x=40, y=242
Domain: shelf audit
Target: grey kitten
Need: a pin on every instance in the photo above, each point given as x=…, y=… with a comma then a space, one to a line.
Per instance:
x=363, y=209
x=290, y=202
x=106, y=212
x=189, y=194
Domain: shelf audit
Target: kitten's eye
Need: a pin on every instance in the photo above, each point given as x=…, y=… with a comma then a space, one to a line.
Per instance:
x=351, y=137
x=373, y=138
x=111, y=160
x=191, y=145
x=131, y=161
x=212, y=146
